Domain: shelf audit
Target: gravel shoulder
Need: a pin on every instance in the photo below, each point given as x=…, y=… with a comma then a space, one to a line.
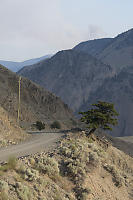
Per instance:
x=38, y=143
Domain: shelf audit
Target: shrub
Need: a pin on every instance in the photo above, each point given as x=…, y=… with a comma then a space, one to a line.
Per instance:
x=32, y=161
x=11, y=164
x=93, y=159
x=23, y=191
x=21, y=169
x=49, y=166
x=57, y=194
x=3, y=186
x=81, y=192
x=56, y=124
x=3, y=196
x=40, y=125
x=76, y=159
x=4, y=190
x=117, y=178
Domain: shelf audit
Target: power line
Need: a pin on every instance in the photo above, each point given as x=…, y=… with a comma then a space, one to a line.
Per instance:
x=19, y=98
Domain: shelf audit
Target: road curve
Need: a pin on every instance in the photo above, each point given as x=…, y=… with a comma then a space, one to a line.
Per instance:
x=37, y=143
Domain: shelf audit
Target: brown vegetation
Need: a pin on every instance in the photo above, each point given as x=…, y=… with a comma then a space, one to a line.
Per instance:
x=80, y=168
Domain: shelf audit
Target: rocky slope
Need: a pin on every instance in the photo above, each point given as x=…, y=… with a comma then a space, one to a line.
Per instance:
x=10, y=133
x=36, y=102
x=80, y=169
x=69, y=74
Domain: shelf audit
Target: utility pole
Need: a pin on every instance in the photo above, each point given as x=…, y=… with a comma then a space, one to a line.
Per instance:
x=19, y=96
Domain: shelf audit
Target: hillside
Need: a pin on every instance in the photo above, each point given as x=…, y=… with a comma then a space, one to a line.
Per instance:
x=116, y=52
x=10, y=133
x=70, y=75
x=16, y=66
x=118, y=90
x=36, y=102
x=80, y=168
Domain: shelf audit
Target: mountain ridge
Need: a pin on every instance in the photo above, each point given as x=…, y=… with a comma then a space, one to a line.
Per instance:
x=93, y=47
x=64, y=76
x=117, y=53
x=16, y=66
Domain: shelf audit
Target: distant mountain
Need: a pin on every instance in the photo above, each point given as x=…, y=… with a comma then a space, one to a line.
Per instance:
x=118, y=90
x=36, y=102
x=16, y=66
x=93, y=47
x=81, y=79
x=117, y=52
x=70, y=74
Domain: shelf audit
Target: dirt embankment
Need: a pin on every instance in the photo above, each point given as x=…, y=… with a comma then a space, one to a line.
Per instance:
x=10, y=133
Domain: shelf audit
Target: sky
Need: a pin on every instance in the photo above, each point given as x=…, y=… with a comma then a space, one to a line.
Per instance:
x=34, y=28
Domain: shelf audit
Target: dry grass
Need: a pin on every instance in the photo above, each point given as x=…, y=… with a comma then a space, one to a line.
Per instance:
x=63, y=183
x=3, y=196
x=11, y=165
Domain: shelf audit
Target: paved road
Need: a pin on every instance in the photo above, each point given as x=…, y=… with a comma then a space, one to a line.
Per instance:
x=37, y=143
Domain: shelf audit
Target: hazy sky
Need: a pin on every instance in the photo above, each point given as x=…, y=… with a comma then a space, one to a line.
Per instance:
x=33, y=28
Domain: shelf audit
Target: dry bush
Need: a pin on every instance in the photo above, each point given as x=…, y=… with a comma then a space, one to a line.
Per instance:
x=3, y=196
x=117, y=178
x=56, y=124
x=32, y=161
x=93, y=159
x=3, y=190
x=21, y=169
x=82, y=193
x=23, y=191
x=11, y=165
x=48, y=166
x=76, y=159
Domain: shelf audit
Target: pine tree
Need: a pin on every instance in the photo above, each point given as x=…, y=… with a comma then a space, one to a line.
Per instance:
x=103, y=116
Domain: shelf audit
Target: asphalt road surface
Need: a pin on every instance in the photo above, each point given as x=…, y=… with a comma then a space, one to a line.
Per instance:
x=38, y=143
